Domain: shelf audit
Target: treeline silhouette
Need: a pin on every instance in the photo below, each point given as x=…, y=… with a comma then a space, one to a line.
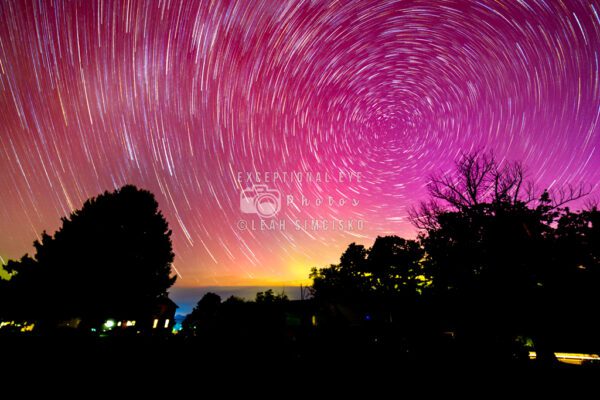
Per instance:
x=261, y=319
x=497, y=270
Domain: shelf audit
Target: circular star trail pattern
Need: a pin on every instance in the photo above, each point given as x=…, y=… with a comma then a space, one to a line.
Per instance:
x=178, y=97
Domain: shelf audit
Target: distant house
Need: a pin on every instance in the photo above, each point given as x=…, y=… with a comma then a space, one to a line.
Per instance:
x=163, y=318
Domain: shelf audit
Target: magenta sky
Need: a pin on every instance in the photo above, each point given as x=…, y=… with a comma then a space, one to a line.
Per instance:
x=178, y=97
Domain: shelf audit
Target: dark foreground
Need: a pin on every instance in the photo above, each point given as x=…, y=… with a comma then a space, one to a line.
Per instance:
x=171, y=360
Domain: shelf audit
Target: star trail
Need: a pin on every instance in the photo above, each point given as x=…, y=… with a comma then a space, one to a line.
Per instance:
x=179, y=97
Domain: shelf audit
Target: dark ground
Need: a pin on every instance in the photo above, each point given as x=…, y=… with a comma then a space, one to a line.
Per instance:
x=332, y=361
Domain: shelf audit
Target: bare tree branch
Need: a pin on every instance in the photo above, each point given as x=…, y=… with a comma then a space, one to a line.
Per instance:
x=480, y=179
x=425, y=215
x=563, y=196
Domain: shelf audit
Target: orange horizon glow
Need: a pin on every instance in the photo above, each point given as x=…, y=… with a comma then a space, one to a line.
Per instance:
x=233, y=281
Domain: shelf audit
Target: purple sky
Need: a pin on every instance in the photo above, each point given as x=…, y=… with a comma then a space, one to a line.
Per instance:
x=179, y=97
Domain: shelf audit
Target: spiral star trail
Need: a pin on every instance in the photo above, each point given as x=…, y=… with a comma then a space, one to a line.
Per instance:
x=178, y=97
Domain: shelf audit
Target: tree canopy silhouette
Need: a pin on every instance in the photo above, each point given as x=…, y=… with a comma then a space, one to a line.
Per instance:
x=237, y=319
x=493, y=248
x=112, y=258
x=389, y=269
x=204, y=315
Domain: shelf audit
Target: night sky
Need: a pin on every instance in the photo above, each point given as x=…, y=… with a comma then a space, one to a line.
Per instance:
x=181, y=97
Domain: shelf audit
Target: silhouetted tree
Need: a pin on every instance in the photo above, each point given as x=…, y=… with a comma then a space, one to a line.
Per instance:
x=389, y=269
x=394, y=265
x=573, y=277
x=489, y=241
x=112, y=258
x=346, y=281
x=203, y=317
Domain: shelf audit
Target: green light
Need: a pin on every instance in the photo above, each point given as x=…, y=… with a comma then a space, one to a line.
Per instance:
x=109, y=324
